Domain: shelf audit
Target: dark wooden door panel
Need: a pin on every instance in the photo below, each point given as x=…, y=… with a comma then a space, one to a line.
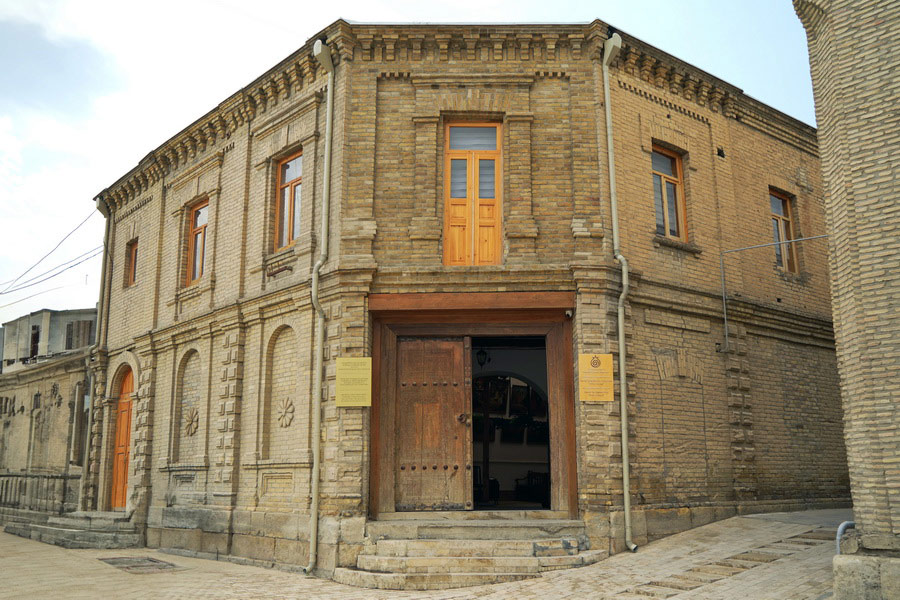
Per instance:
x=433, y=466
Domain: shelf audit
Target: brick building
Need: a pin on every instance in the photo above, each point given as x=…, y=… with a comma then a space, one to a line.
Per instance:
x=467, y=248
x=854, y=64
x=43, y=413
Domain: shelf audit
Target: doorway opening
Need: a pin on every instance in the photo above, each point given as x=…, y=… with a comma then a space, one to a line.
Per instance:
x=510, y=423
x=425, y=361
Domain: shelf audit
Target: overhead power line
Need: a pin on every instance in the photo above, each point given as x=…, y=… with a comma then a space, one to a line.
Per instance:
x=49, y=253
x=56, y=267
x=28, y=285
x=33, y=295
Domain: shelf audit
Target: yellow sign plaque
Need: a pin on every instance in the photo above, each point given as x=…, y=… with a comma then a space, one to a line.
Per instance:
x=354, y=381
x=595, y=378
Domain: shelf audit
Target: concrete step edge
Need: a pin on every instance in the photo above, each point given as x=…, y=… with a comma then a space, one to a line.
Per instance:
x=422, y=581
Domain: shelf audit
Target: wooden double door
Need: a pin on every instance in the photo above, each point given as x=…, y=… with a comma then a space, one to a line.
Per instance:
x=422, y=450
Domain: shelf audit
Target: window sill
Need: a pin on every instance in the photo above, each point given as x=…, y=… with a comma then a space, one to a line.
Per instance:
x=794, y=278
x=189, y=291
x=183, y=468
x=305, y=460
x=659, y=240
x=280, y=261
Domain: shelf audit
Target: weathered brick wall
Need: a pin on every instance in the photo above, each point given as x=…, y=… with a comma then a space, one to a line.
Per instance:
x=39, y=425
x=854, y=61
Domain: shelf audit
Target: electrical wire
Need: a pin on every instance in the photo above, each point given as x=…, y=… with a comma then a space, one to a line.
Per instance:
x=56, y=267
x=49, y=253
x=33, y=295
x=28, y=285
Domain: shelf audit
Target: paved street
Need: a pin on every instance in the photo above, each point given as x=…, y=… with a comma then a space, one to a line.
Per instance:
x=780, y=556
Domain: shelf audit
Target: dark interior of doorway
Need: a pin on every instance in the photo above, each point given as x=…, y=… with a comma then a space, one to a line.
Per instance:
x=510, y=423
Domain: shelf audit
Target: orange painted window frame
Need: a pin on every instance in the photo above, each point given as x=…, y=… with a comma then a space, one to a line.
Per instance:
x=192, y=250
x=473, y=201
x=292, y=186
x=786, y=230
x=680, y=204
x=131, y=250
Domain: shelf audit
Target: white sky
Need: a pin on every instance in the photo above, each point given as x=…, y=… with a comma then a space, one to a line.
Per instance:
x=89, y=87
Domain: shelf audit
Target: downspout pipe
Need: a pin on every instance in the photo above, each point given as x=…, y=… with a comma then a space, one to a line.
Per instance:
x=103, y=208
x=611, y=48
x=322, y=54
x=842, y=528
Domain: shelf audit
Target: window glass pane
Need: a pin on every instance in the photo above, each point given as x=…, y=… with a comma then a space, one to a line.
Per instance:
x=458, y=178
x=776, y=237
x=673, y=210
x=778, y=206
x=485, y=178
x=197, y=268
x=284, y=215
x=132, y=266
x=291, y=170
x=473, y=138
x=200, y=216
x=663, y=164
x=296, y=227
x=658, y=203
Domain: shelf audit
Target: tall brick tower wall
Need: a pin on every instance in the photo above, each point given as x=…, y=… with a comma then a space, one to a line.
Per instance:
x=855, y=65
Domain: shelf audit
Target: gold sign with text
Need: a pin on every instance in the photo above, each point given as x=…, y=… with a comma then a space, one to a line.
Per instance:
x=595, y=378
x=354, y=382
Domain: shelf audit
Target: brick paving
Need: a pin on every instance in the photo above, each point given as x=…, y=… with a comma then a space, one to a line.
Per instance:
x=789, y=559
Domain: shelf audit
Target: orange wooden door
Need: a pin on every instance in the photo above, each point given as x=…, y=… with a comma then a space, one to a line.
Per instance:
x=434, y=425
x=122, y=443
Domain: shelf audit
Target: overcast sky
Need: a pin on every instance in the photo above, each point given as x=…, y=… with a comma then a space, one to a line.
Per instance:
x=89, y=87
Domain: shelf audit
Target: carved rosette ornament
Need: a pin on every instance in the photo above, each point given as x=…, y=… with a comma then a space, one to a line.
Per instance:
x=285, y=412
x=192, y=421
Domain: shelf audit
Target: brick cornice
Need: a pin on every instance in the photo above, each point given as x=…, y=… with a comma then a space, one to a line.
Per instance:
x=295, y=75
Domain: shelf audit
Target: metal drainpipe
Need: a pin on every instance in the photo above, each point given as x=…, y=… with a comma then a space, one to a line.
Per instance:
x=103, y=207
x=611, y=48
x=323, y=54
x=840, y=533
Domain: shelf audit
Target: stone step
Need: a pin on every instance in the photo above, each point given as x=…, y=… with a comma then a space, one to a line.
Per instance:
x=422, y=581
x=90, y=523
x=475, y=515
x=450, y=564
x=475, y=564
x=582, y=559
x=488, y=529
x=463, y=548
x=77, y=538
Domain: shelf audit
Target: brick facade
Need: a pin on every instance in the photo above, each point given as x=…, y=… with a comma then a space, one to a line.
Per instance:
x=854, y=64
x=42, y=435
x=716, y=430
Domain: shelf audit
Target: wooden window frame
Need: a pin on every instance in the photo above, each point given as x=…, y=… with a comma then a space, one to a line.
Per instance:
x=786, y=230
x=279, y=186
x=680, y=204
x=131, y=249
x=472, y=199
x=191, y=250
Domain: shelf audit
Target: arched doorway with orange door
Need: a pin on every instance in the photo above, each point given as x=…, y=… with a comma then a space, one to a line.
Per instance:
x=122, y=442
